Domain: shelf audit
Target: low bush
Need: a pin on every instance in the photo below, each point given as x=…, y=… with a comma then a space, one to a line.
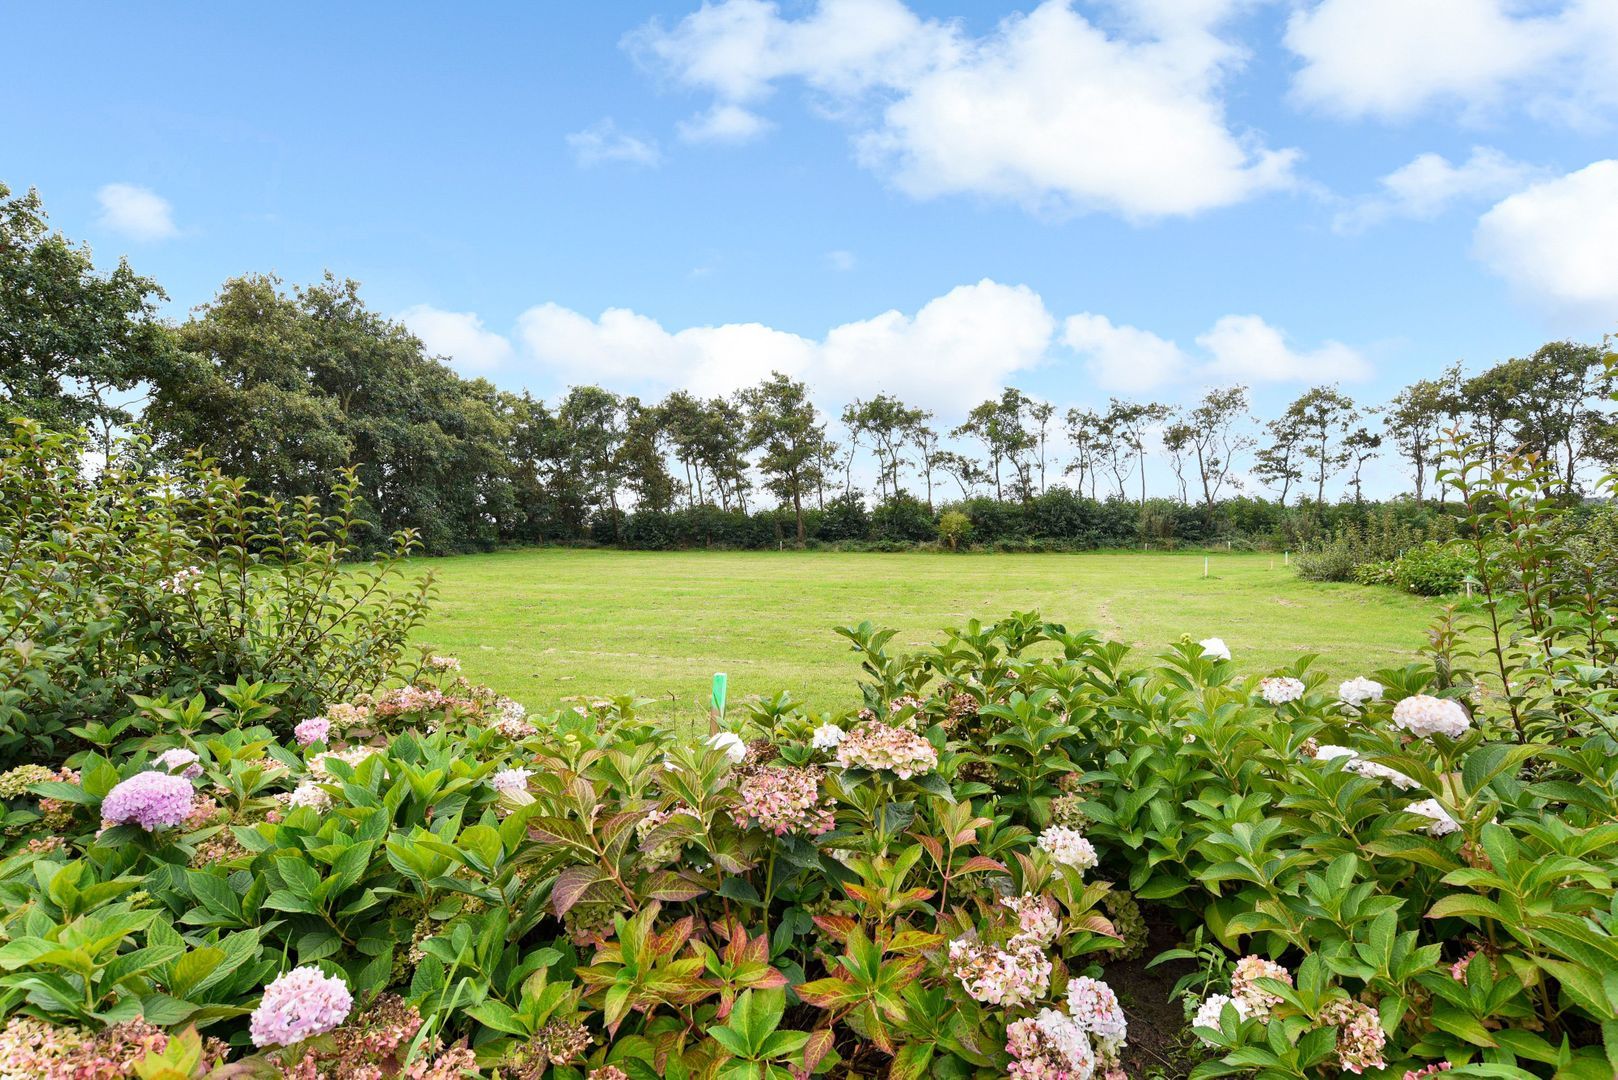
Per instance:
x=166, y=585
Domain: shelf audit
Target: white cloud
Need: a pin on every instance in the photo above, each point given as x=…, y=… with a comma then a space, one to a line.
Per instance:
x=1237, y=348
x=458, y=335
x=137, y=212
x=723, y=123
x=959, y=347
x=602, y=143
x=1246, y=348
x=1427, y=185
x=1124, y=358
x=1555, y=243
x=1395, y=58
x=842, y=261
x=1047, y=110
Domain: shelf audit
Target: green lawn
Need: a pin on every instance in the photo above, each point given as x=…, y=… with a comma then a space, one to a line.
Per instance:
x=545, y=624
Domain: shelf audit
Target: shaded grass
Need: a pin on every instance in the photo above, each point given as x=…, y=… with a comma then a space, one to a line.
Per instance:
x=547, y=623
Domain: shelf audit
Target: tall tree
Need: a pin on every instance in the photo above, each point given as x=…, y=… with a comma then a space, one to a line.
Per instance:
x=782, y=423
x=1216, y=437
x=1360, y=445
x=1039, y=415
x=75, y=343
x=1088, y=436
x=1279, y=462
x=998, y=425
x=1415, y=422
x=1322, y=416
x=887, y=423
x=1130, y=422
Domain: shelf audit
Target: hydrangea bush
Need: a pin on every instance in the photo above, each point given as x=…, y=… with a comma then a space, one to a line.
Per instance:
x=1407, y=873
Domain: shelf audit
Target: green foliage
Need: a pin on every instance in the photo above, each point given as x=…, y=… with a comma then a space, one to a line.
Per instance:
x=139, y=584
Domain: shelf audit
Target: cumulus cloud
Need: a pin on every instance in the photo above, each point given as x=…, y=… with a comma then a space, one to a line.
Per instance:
x=1429, y=184
x=1394, y=58
x=1048, y=109
x=723, y=123
x=602, y=143
x=1125, y=359
x=136, y=212
x=1555, y=241
x=1246, y=348
x=1237, y=348
x=458, y=335
x=961, y=346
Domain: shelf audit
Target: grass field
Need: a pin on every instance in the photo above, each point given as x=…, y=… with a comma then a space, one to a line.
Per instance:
x=544, y=624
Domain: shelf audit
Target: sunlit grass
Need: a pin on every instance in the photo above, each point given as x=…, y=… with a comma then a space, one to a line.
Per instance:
x=545, y=624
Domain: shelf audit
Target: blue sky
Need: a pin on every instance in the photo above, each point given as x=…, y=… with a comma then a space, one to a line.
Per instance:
x=1079, y=199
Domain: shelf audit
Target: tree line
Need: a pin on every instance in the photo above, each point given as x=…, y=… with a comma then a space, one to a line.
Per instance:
x=285, y=386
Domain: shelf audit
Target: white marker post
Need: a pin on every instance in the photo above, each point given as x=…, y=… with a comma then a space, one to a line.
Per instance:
x=1205, y=566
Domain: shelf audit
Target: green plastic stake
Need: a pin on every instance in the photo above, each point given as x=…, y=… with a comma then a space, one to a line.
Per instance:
x=720, y=680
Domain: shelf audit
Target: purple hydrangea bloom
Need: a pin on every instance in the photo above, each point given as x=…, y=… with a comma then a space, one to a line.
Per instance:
x=299, y=1005
x=313, y=730
x=152, y=800
x=186, y=761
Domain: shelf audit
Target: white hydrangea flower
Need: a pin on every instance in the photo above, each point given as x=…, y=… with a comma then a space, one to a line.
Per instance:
x=1442, y=823
x=1371, y=769
x=1330, y=752
x=1215, y=648
x=1212, y=1007
x=1358, y=690
x=1424, y=716
x=310, y=794
x=1069, y=847
x=731, y=744
x=827, y=736
x=1281, y=689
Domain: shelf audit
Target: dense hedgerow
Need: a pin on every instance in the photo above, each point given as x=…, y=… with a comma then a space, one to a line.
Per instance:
x=1407, y=873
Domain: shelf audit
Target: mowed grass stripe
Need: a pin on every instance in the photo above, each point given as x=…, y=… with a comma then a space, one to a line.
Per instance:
x=544, y=624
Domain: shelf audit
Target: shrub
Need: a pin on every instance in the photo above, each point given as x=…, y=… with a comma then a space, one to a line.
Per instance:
x=167, y=585
x=954, y=528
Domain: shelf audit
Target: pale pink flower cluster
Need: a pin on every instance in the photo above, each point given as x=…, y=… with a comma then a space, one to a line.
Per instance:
x=153, y=800
x=313, y=730
x=1244, y=984
x=1425, y=716
x=298, y=1005
x=1360, y=1037
x=1358, y=690
x=1280, y=689
x=877, y=746
x=411, y=699
x=1215, y=648
x=1095, y=1008
x=344, y=715
x=178, y=758
x=783, y=799
x=1037, y=920
x=669, y=850
x=1213, y=1008
x=1068, y=847
x=996, y=976
x=1442, y=823
x=182, y=580
x=1431, y=1070
x=510, y=781
x=1049, y=1046
x=511, y=720
x=441, y=663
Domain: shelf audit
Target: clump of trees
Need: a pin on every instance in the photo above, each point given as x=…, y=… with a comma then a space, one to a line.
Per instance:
x=287, y=386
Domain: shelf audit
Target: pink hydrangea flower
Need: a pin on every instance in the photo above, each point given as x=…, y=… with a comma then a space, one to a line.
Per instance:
x=996, y=976
x=313, y=730
x=298, y=1005
x=1036, y=918
x=1069, y=847
x=510, y=781
x=1049, y=1046
x=1096, y=1009
x=1244, y=984
x=877, y=746
x=783, y=799
x=153, y=800
x=1360, y=1037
